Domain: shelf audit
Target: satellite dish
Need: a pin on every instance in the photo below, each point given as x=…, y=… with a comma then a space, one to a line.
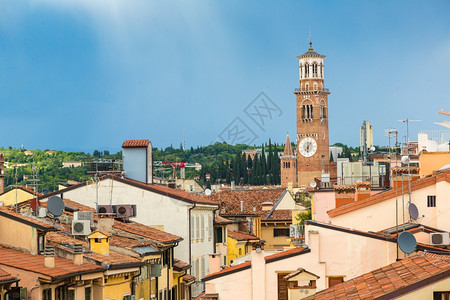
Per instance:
x=55, y=205
x=407, y=242
x=413, y=211
x=372, y=148
x=207, y=192
x=313, y=184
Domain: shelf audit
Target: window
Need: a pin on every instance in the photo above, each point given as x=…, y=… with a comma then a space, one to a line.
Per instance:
x=192, y=228
x=219, y=235
x=314, y=70
x=41, y=243
x=197, y=228
x=307, y=111
x=47, y=294
x=431, y=201
x=203, y=227
x=203, y=266
x=332, y=281
x=306, y=70
x=87, y=293
x=441, y=295
x=210, y=227
x=197, y=268
x=280, y=232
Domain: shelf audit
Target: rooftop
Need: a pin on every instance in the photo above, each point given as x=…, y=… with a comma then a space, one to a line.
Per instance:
x=230, y=201
x=6, y=277
x=147, y=231
x=380, y=197
x=241, y=236
x=28, y=220
x=229, y=270
x=390, y=281
x=135, y=143
x=35, y=263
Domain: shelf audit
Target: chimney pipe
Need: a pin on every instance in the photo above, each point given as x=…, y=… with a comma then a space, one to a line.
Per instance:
x=78, y=254
x=49, y=256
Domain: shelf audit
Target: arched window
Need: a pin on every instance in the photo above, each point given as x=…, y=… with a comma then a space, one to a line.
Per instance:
x=321, y=70
x=314, y=70
x=315, y=86
x=307, y=87
x=307, y=111
x=323, y=110
x=301, y=71
x=306, y=70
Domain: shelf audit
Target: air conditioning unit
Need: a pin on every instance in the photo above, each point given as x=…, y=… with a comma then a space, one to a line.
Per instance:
x=81, y=227
x=105, y=209
x=440, y=239
x=124, y=211
x=84, y=215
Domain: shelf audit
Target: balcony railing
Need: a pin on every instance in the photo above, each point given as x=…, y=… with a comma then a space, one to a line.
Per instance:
x=312, y=90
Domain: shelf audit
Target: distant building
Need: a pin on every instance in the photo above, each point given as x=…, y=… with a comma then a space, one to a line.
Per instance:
x=366, y=136
x=72, y=164
x=252, y=153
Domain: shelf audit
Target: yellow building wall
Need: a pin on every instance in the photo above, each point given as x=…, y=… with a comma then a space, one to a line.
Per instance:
x=18, y=235
x=101, y=247
x=234, y=248
x=427, y=291
x=274, y=242
x=9, y=198
x=432, y=161
x=117, y=286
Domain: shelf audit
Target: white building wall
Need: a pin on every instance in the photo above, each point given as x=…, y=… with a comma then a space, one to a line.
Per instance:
x=382, y=215
x=152, y=209
x=135, y=163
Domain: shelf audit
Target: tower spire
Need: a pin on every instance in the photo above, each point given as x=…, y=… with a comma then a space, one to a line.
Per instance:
x=288, y=146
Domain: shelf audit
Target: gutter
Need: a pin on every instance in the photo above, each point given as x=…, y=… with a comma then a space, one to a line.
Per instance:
x=126, y=265
x=190, y=238
x=77, y=274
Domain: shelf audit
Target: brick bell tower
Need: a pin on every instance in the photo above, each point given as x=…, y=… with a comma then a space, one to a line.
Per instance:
x=312, y=118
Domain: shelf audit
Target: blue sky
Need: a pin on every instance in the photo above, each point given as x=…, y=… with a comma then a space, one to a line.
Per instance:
x=84, y=75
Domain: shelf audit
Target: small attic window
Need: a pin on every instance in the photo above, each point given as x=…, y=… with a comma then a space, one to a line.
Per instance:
x=97, y=240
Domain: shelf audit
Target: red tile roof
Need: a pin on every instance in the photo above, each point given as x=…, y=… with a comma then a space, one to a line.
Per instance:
x=31, y=221
x=230, y=201
x=6, y=277
x=390, y=281
x=147, y=231
x=221, y=220
x=35, y=263
x=286, y=253
x=241, y=236
x=279, y=215
x=180, y=265
x=62, y=240
x=380, y=197
x=135, y=143
x=228, y=270
x=163, y=190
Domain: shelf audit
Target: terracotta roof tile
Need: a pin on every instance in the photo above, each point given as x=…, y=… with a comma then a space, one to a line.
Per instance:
x=241, y=236
x=39, y=223
x=35, y=263
x=388, y=279
x=230, y=201
x=5, y=276
x=62, y=240
x=173, y=193
x=229, y=270
x=221, y=220
x=135, y=143
x=380, y=197
x=147, y=231
x=285, y=253
x=280, y=215
x=180, y=265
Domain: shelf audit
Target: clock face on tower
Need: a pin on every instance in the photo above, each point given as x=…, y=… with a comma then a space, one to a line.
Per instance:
x=307, y=147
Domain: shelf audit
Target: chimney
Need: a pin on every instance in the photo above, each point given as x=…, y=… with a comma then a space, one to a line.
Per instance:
x=362, y=190
x=105, y=224
x=49, y=256
x=78, y=254
x=266, y=206
x=242, y=205
x=258, y=270
x=344, y=194
x=214, y=263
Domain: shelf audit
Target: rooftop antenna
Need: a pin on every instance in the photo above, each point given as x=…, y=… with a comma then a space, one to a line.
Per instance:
x=407, y=154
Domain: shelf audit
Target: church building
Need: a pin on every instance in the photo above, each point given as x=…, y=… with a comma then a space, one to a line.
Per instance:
x=311, y=158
